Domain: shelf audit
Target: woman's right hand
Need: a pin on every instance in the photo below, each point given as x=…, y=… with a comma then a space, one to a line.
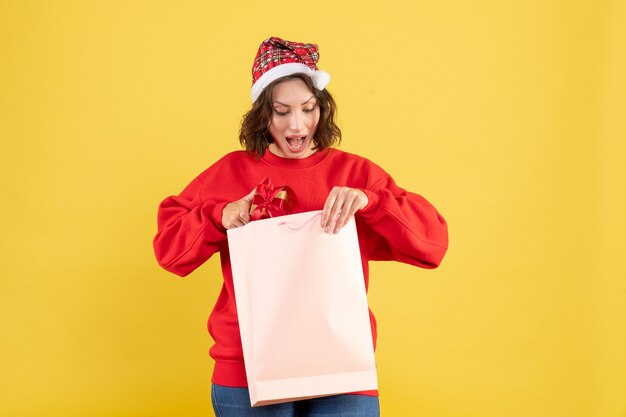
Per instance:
x=237, y=213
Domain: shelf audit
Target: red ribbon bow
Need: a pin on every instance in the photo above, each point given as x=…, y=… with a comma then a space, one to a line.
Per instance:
x=271, y=201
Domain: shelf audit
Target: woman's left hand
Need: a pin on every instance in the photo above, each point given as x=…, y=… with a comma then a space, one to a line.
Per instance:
x=340, y=206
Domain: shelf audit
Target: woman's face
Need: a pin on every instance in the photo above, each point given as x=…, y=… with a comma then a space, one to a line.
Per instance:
x=295, y=114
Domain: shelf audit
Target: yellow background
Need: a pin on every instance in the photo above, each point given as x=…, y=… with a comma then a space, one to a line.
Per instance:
x=508, y=116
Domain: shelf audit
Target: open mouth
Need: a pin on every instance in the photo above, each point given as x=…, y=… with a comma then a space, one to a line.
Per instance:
x=296, y=143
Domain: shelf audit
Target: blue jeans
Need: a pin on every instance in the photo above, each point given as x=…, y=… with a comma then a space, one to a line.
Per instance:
x=235, y=402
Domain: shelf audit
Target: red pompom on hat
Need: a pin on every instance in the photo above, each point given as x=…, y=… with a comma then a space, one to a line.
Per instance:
x=278, y=58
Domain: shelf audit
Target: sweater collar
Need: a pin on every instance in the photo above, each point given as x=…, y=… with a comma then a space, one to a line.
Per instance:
x=307, y=162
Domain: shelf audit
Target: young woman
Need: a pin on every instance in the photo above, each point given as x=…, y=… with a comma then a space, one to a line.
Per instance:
x=289, y=136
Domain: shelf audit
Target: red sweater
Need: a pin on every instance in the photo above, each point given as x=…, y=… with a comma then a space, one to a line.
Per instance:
x=395, y=225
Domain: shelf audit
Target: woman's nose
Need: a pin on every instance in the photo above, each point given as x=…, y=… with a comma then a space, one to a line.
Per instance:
x=295, y=121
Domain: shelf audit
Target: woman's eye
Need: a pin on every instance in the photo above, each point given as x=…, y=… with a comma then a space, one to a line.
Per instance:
x=309, y=110
x=280, y=113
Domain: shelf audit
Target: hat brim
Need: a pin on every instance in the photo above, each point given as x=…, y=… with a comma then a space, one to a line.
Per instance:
x=320, y=78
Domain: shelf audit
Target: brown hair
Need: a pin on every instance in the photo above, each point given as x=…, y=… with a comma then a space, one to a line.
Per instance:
x=254, y=134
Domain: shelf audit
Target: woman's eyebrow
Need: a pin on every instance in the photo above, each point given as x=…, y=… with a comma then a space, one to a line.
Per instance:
x=286, y=105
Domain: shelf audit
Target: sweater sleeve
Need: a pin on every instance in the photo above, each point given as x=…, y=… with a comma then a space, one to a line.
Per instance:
x=407, y=228
x=190, y=230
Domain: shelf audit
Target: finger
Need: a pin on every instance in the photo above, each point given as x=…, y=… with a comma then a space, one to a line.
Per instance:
x=347, y=212
x=330, y=200
x=233, y=225
x=350, y=208
x=244, y=215
x=250, y=196
x=236, y=221
x=334, y=214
